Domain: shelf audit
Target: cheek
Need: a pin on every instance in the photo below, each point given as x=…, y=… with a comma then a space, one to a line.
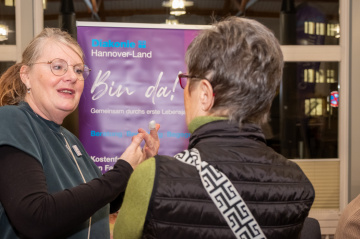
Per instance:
x=50, y=81
x=184, y=97
x=80, y=87
x=188, y=106
x=40, y=82
x=186, y=100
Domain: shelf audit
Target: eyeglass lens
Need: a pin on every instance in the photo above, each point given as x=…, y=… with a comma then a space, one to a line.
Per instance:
x=59, y=67
x=183, y=80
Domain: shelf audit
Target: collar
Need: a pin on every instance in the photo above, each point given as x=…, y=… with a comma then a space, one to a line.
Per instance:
x=201, y=120
x=52, y=125
x=225, y=129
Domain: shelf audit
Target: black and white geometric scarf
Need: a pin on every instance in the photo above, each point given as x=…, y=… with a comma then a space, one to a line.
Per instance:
x=225, y=196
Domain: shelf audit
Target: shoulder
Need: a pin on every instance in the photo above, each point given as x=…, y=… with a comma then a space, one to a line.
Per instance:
x=15, y=118
x=284, y=167
x=351, y=212
x=14, y=121
x=9, y=113
x=143, y=173
x=349, y=221
x=17, y=131
x=130, y=220
x=141, y=181
x=144, y=168
x=167, y=163
x=164, y=158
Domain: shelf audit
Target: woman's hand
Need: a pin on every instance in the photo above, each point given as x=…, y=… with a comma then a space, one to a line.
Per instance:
x=152, y=142
x=133, y=153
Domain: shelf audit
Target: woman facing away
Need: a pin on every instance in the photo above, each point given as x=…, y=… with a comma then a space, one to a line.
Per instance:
x=228, y=183
x=49, y=186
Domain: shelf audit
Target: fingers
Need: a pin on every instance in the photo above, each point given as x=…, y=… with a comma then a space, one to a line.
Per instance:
x=151, y=139
x=136, y=141
x=152, y=142
x=149, y=152
x=154, y=133
x=133, y=153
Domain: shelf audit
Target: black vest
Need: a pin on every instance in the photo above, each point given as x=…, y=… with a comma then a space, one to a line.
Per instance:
x=275, y=189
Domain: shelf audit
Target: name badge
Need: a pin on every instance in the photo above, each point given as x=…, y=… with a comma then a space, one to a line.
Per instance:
x=77, y=150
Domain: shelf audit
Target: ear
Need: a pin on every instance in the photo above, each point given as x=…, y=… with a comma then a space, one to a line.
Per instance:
x=206, y=95
x=24, y=75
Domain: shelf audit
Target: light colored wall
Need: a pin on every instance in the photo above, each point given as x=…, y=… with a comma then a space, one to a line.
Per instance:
x=354, y=166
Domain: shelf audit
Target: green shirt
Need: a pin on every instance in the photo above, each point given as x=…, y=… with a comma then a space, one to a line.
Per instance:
x=131, y=218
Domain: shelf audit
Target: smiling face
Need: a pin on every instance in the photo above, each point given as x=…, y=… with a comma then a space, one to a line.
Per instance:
x=53, y=97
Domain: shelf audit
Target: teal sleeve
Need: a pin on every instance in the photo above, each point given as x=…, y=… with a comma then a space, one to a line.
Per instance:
x=130, y=221
x=17, y=131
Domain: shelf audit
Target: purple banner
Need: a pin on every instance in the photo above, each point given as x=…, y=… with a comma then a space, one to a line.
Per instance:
x=133, y=80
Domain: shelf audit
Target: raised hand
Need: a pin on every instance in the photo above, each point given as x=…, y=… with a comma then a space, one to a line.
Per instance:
x=133, y=153
x=152, y=142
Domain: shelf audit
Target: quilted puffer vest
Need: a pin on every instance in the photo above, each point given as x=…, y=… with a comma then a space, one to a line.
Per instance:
x=275, y=189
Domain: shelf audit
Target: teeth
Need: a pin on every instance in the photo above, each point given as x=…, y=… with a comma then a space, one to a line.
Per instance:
x=66, y=91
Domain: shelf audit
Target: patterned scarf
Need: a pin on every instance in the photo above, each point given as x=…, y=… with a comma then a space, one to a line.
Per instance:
x=225, y=196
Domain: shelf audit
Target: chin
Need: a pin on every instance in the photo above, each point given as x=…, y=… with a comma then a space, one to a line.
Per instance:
x=68, y=109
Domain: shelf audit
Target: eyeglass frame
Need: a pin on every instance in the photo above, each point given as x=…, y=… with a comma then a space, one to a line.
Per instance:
x=50, y=62
x=181, y=75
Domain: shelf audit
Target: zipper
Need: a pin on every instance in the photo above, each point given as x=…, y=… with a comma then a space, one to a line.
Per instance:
x=77, y=165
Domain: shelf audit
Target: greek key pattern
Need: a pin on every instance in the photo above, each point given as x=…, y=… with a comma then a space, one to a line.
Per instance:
x=225, y=196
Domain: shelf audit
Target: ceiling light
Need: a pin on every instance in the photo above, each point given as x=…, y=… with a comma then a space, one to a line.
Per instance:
x=4, y=32
x=174, y=3
x=177, y=7
x=177, y=11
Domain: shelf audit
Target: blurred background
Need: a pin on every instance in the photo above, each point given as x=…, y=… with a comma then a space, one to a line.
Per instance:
x=314, y=115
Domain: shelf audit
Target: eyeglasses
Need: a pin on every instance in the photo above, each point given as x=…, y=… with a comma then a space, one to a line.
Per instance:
x=59, y=67
x=184, y=77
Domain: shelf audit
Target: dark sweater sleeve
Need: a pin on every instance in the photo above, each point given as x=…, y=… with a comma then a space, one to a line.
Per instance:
x=116, y=204
x=35, y=213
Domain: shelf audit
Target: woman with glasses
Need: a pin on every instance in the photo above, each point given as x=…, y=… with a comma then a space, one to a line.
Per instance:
x=228, y=183
x=49, y=186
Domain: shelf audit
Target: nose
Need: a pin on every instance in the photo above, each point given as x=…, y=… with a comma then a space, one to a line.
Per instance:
x=70, y=75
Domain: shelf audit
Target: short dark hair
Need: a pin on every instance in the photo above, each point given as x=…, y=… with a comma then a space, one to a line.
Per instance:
x=243, y=61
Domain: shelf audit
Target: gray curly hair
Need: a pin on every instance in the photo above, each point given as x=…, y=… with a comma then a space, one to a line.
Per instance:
x=243, y=61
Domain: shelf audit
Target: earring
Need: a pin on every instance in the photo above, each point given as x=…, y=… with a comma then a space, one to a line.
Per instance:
x=28, y=90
